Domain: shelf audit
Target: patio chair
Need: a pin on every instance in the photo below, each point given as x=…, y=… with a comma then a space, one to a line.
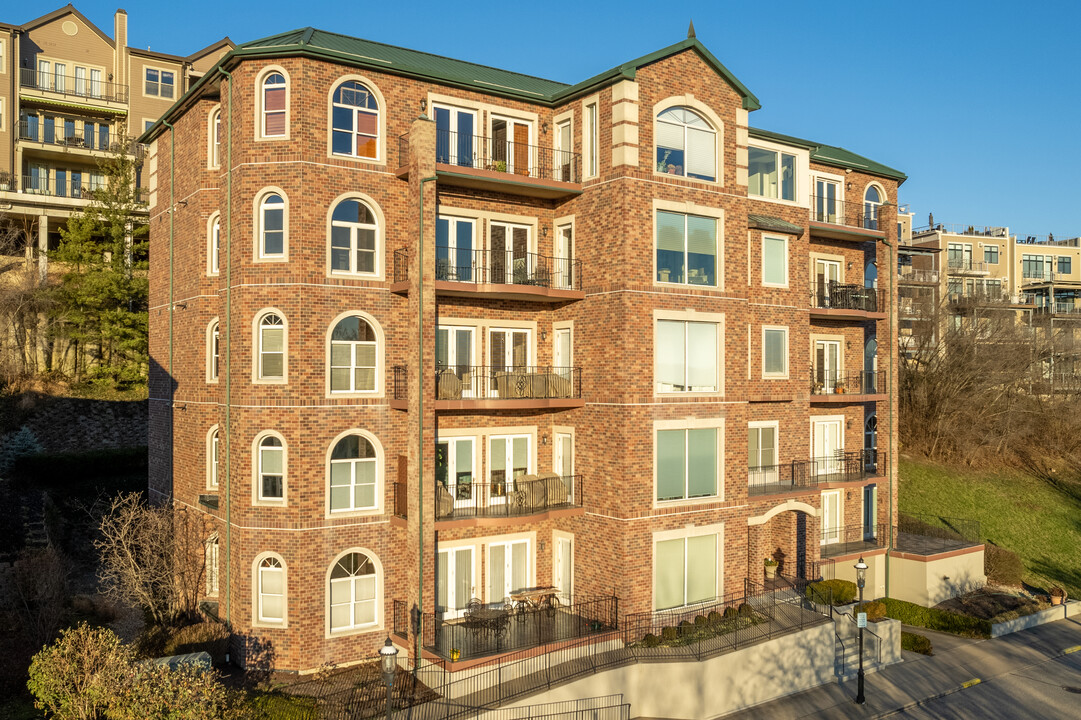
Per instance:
x=448, y=386
x=555, y=490
x=444, y=502
x=529, y=493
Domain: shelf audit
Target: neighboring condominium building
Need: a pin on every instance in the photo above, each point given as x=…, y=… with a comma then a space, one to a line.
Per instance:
x=431, y=340
x=68, y=93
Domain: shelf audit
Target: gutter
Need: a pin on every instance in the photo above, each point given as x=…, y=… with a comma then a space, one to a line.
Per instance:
x=893, y=391
x=228, y=346
x=172, y=308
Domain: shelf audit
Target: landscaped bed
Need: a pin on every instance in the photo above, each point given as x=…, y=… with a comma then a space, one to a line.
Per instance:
x=704, y=627
x=992, y=604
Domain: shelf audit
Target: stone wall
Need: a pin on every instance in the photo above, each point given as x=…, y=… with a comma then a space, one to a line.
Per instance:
x=70, y=425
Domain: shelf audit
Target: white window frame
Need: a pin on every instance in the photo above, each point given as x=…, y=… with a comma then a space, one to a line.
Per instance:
x=508, y=555
x=257, y=357
x=451, y=611
x=717, y=239
x=453, y=470
x=782, y=375
x=377, y=330
x=716, y=530
x=147, y=69
x=591, y=136
x=213, y=138
x=262, y=79
x=353, y=629
x=776, y=427
x=832, y=534
x=213, y=350
x=716, y=424
x=802, y=157
x=380, y=129
x=710, y=121
x=258, y=618
x=257, y=469
x=688, y=317
x=213, y=244
x=212, y=561
x=261, y=207
x=380, y=481
x=509, y=479
x=377, y=227
x=213, y=458
x=784, y=239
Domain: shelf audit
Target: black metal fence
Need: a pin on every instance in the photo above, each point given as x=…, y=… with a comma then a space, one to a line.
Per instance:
x=931, y=534
x=849, y=539
x=402, y=259
x=826, y=209
x=400, y=391
x=523, y=495
x=507, y=267
x=833, y=382
x=500, y=155
x=400, y=499
x=800, y=474
x=838, y=296
x=472, y=382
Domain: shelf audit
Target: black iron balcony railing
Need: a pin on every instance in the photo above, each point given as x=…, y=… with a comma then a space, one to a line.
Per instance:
x=832, y=382
x=501, y=155
x=808, y=474
x=837, y=296
x=961, y=264
x=400, y=499
x=849, y=539
x=507, y=267
x=931, y=534
x=61, y=136
x=73, y=85
x=502, y=497
x=402, y=259
x=825, y=209
x=540, y=382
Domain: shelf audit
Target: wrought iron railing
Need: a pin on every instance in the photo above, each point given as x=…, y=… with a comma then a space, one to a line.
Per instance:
x=906, y=273
x=536, y=382
x=402, y=260
x=400, y=391
x=504, y=155
x=966, y=265
x=807, y=474
x=856, y=214
x=73, y=85
x=400, y=499
x=523, y=495
x=838, y=296
x=832, y=382
x=849, y=539
x=507, y=267
x=400, y=615
x=930, y=534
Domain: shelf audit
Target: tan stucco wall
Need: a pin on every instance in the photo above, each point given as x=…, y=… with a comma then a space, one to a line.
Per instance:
x=929, y=583
x=700, y=690
x=876, y=574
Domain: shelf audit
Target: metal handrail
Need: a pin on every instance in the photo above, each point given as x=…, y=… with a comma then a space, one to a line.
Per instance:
x=502, y=497
x=832, y=211
x=507, y=267
x=832, y=382
x=57, y=135
x=70, y=85
x=840, y=296
x=537, y=382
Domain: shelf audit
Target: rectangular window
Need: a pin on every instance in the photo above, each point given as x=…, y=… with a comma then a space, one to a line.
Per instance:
x=774, y=261
x=43, y=74
x=775, y=352
x=1032, y=266
x=212, y=566
x=686, y=463
x=990, y=254
x=771, y=174
x=686, y=249
x=454, y=245
x=762, y=445
x=685, y=571
x=159, y=83
x=1064, y=265
x=591, y=134
x=959, y=256
x=80, y=80
x=687, y=356
x=454, y=466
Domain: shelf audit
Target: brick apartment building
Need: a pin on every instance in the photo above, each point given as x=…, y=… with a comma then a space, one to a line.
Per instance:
x=426, y=333
x=67, y=93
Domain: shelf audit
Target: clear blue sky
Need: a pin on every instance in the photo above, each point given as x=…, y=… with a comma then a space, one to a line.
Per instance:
x=978, y=102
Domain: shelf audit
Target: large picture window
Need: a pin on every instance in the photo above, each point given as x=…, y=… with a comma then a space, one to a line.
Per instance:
x=687, y=356
x=685, y=571
x=353, y=589
x=686, y=144
x=686, y=249
x=686, y=463
x=771, y=174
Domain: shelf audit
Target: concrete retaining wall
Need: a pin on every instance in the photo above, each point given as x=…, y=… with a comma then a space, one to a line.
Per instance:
x=1051, y=614
x=69, y=425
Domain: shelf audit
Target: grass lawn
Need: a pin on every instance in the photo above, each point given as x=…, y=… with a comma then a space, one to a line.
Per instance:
x=1038, y=520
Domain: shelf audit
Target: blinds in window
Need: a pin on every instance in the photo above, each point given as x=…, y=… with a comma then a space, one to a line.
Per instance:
x=774, y=360
x=497, y=569
x=671, y=347
x=701, y=568
x=670, y=464
x=670, y=231
x=701, y=462
x=701, y=235
x=669, y=136
x=442, y=569
x=773, y=260
x=702, y=356
x=701, y=152
x=463, y=578
x=668, y=574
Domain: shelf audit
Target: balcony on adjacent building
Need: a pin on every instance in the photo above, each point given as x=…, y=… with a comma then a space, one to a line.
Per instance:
x=62, y=135
x=71, y=87
x=808, y=475
x=908, y=275
x=832, y=301
x=967, y=266
x=499, y=274
x=60, y=185
x=853, y=539
x=1048, y=277
x=834, y=387
x=500, y=164
x=840, y=220
x=497, y=387
x=521, y=496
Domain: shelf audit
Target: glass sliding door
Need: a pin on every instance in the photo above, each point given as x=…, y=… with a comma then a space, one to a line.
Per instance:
x=509, y=248
x=455, y=132
x=509, y=457
x=828, y=447
x=455, y=463
x=454, y=581
x=508, y=570
x=508, y=360
x=511, y=146
x=826, y=202
x=454, y=249
x=827, y=365
x=454, y=363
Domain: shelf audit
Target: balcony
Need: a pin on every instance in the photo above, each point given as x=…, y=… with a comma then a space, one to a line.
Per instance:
x=808, y=475
x=71, y=87
x=965, y=266
x=833, y=387
x=832, y=301
x=839, y=220
x=908, y=275
x=49, y=137
x=481, y=387
x=1071, y=307
x=917, y=534
x=503, y=275
x=48, y=185
x=502, y=498
x=1048, y=278
x=500, y=165
x=852, y=539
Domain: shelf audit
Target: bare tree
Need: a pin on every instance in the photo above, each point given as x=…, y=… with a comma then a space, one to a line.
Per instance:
x=40, y=582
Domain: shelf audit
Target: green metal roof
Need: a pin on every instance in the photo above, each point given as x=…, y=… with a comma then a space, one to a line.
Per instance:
x=768, y=222
x=832, y=155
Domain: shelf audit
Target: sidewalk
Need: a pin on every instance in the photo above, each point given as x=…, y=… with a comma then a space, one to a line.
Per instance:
x=956, y=661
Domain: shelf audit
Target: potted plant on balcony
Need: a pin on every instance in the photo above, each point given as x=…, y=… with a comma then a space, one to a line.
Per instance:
x=1058, y=596
x=771, y=568
x=455, y=653
x=5, y=181
x=839, y=388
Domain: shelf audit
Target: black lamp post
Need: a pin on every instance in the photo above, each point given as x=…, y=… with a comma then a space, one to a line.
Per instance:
x=861, y=580
x=388, y=661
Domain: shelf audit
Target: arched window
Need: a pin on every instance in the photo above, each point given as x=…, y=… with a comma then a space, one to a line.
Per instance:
x=353, y=479
x=353, y=355
x=270, y=602
x=213, y=350
x=686, y=144
x=272, y=226
x=211, y=555
x=872, y=200
x=271, y=347
x=274, y=105
x=271, y=470
x=212, y=446
x=353, y=238
x=352, y=593
x=355, y=121
x=214, y=244
x=215, y=138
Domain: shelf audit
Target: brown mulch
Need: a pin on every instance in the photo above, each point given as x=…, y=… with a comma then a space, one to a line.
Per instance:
x=989, y=603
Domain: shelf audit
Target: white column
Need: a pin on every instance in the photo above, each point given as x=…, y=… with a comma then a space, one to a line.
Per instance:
x=43, y=246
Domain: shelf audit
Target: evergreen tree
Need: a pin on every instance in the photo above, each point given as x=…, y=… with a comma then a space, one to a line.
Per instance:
x=101, y=300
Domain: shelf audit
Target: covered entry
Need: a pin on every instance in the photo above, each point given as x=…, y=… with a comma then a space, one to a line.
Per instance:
x=787, y=533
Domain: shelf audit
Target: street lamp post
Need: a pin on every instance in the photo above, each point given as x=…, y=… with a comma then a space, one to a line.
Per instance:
x=861, y=580
x=388, y=660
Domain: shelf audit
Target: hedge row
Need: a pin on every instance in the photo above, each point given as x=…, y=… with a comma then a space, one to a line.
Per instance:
x=832, y=592
x=916, y=643
x=936, y=619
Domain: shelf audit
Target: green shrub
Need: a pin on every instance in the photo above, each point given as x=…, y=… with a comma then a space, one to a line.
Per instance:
x=937, y=619
x=1002, y=566
x=832, y=592
x=669, y=634
x=916, y=643
x=715, y=618
x=875, y=610
x=730, y=612
x=209, y=636
x=701, y=621
x=745, y=610
x=651, y=640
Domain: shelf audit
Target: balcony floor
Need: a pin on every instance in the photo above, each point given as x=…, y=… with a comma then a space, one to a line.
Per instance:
x=534, y=629
x=924, y=545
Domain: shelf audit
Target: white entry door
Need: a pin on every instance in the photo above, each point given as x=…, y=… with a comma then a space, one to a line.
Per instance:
x=827, y=365
x=831, y=517
x=564, y=253
x=508, y=569
x=563, y=567
x=828, y=446
x=564, y=462
x=454, y=581
x=509, y=457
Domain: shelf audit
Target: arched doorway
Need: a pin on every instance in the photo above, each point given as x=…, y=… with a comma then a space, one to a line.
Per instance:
x=784, y=533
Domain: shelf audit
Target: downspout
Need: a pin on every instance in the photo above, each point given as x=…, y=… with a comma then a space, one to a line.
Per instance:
x=228, y=345
x=420, y=426
x=893, y=391
x=172, y=308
